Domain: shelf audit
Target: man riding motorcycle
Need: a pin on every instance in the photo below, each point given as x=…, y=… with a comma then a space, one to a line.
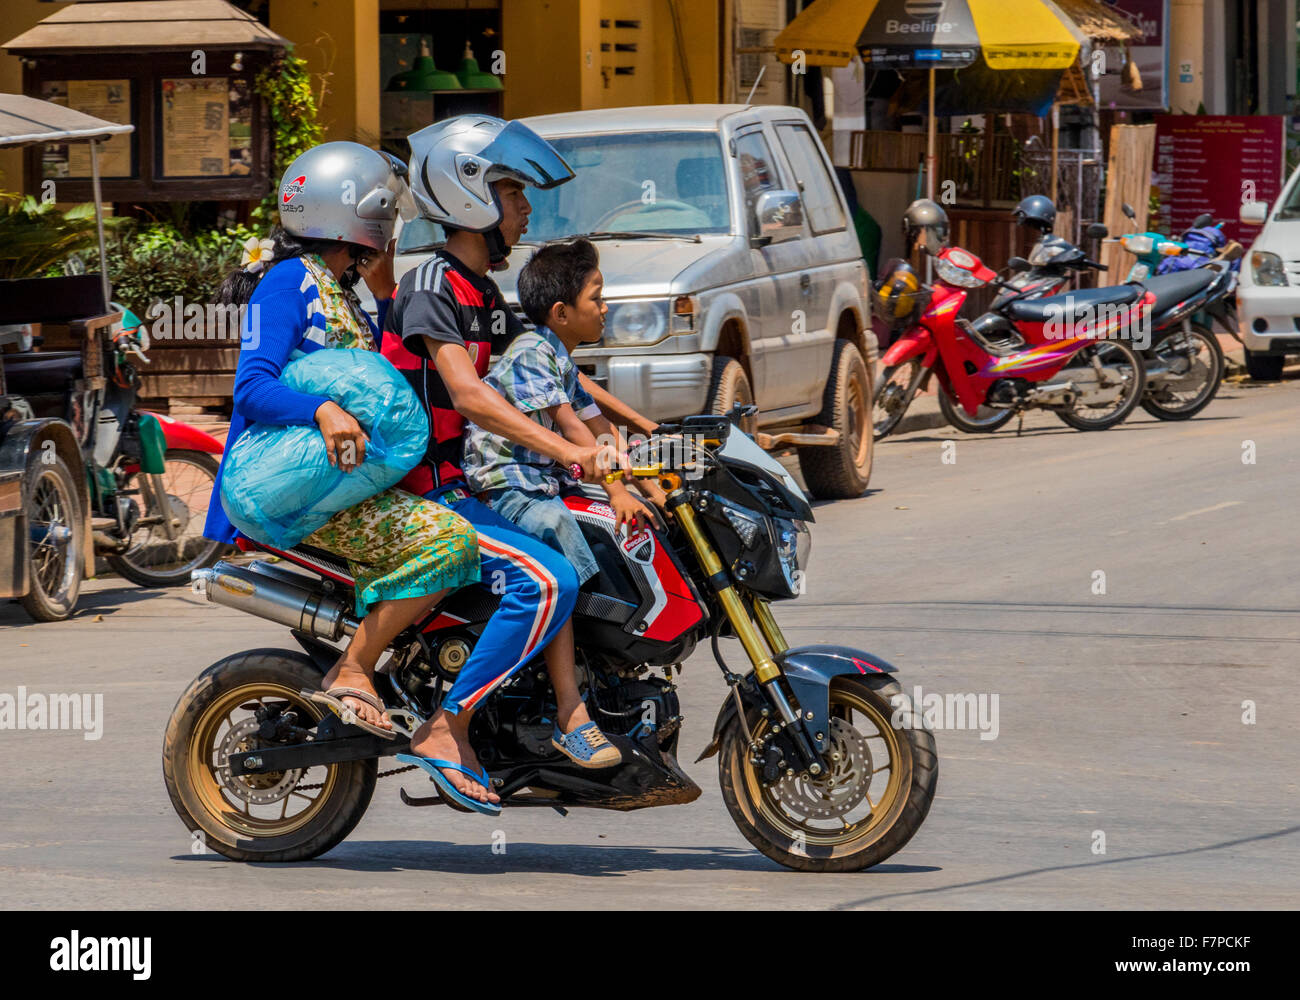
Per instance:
x=448, y=317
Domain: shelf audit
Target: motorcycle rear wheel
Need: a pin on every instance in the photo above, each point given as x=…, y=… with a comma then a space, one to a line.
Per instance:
x=236, y=815
x=986, y=421
x=1208, y=354
x=769, y=817
x=1136, y=380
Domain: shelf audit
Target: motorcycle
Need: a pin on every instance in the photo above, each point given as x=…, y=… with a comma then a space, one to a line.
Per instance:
x=149, y=477
x=820, y=766
x=1184, y=363
x=1056, y=356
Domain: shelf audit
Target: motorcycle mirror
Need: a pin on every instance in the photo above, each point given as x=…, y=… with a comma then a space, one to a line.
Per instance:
x=1018, y=264
x=1204, y=219
x=1097, y=231
x=1127, y=209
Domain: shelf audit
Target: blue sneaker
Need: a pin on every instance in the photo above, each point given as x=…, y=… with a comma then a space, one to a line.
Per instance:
x=586, y=746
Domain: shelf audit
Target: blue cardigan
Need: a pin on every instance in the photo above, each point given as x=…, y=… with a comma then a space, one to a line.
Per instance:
x=287, y=318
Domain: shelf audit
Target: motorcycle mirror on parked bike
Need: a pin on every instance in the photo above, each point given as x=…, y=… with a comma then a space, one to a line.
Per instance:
x=1127, y=209
x=1202, y=220
x=1018, y=264
x=1097, y=231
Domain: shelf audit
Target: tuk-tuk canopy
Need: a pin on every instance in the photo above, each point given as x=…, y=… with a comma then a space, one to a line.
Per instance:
x=28, y=120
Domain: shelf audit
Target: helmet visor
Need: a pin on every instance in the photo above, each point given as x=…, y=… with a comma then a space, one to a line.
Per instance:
x=520, y=153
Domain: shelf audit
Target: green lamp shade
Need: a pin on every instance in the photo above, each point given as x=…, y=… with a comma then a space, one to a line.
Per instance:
x=424, y=76
x=473, y=78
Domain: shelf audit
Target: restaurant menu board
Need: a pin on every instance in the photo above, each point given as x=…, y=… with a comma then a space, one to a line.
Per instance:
x=1212, y=163
x=196, y=127
x=106, y=99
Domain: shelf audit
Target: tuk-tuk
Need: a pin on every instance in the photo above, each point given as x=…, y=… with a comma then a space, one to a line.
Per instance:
x=81, y=469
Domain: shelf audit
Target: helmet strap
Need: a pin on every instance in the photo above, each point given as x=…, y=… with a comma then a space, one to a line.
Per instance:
x=497, y=249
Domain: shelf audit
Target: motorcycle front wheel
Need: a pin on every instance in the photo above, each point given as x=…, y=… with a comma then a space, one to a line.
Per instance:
x=874, y=798
x=279, y=816
x=154, y=560
x=1195, y=363
x=892, y=394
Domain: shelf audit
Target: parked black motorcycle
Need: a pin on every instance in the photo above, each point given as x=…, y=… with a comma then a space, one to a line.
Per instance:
x=822, y=763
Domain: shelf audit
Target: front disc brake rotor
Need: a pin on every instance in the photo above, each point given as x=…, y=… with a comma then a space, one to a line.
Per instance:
x=839, y=791
x=255, y=789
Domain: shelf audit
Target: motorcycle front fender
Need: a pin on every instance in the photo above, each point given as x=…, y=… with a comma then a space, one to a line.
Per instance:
x=184, y=436
x=918, y=341
x=809, y=671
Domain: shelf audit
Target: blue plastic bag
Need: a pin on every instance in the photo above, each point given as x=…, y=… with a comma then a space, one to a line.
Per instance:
x=278, y=485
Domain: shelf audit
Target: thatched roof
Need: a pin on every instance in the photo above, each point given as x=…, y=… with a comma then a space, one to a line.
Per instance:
x=1100, y=22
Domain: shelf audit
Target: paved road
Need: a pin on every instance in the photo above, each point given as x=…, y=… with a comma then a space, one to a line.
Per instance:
x=1118, y=712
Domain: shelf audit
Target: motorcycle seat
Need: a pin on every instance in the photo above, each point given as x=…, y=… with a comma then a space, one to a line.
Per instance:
x=1073, y=306
x=1171, y=289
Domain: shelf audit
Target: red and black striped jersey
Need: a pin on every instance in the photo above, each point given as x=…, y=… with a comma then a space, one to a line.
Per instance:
x=443, y=300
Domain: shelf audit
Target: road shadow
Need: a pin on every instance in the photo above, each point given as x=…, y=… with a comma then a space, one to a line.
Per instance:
x=1012, y=876
x=524, y=858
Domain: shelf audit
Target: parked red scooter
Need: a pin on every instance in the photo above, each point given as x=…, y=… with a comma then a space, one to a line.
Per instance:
x=1067, y=353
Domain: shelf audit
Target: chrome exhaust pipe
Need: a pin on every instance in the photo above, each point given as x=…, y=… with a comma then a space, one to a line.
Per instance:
x=276, y=599
x=1041, y=392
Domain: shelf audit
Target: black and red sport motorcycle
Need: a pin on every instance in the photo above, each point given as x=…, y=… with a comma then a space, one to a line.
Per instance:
x=822, y=763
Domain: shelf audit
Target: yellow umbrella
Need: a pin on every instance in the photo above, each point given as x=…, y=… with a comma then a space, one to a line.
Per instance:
x=932, y=35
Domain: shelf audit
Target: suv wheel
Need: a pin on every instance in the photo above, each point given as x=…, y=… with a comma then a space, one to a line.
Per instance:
x=1264, y=367
x=728, y=386
x=843, y=470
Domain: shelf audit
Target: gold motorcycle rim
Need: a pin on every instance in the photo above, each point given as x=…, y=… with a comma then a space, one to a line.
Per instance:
x=271, y=804
x=882, y=801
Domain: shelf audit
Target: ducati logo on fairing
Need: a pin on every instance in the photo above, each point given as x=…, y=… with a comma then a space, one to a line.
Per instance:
x=640, y=547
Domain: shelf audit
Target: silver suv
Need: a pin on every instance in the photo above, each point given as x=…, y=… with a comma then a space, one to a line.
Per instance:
x=732, y=273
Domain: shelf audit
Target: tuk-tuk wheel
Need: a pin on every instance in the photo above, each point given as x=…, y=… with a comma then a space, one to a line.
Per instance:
x=54, y=538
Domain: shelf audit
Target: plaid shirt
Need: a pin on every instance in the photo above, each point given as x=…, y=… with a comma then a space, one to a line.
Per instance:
x=534, y=374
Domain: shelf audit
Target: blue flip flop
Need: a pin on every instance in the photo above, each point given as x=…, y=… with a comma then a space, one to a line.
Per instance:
x=434, y=769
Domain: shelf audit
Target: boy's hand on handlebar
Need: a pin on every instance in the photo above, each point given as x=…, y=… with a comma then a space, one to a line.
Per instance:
x=592, y=462
x=345, y=441
x=627, y=509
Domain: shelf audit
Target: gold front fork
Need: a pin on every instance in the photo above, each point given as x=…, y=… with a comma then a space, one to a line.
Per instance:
x=760, y=642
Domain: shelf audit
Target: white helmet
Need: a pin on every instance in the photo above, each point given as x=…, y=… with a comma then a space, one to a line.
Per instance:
x=454, y=163
x=347, y=192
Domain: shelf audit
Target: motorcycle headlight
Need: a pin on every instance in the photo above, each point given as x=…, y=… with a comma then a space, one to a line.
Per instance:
x=1043, y=254
x=794, y=542
x=954, y=275
x=1267, y=268
x=1137, y=244
x=636, y=322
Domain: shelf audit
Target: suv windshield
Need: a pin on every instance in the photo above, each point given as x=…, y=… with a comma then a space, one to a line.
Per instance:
x=644, y=182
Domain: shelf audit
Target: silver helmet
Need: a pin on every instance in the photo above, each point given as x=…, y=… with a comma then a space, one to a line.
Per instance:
x=454, y=162
x=347, y=192
x=925, y=224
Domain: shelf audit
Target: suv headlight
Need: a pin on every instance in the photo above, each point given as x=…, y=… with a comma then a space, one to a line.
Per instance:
x=640, y=321
x=1266, y=268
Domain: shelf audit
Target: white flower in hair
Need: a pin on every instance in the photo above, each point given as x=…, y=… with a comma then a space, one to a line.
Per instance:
x=257, y=254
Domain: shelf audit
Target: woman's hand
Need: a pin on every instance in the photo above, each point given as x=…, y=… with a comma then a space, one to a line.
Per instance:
x=377, y=269
x=345, y=441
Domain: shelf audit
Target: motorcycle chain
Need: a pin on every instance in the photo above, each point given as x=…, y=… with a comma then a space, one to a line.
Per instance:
x=381, y=774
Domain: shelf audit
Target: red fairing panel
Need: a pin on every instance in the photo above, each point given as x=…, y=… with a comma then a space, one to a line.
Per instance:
x=675, y=610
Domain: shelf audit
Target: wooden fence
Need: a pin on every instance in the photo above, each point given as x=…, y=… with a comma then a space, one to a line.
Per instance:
x=980, y=168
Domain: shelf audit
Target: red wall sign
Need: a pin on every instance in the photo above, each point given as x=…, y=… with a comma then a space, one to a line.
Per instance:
x=1212, y=163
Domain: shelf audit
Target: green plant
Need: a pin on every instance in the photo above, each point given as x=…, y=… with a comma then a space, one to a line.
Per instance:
x=36, y=237
x=158, y=263
x=286, y=87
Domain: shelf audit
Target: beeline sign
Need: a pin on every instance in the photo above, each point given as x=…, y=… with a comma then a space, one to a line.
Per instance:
x=893, y=27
